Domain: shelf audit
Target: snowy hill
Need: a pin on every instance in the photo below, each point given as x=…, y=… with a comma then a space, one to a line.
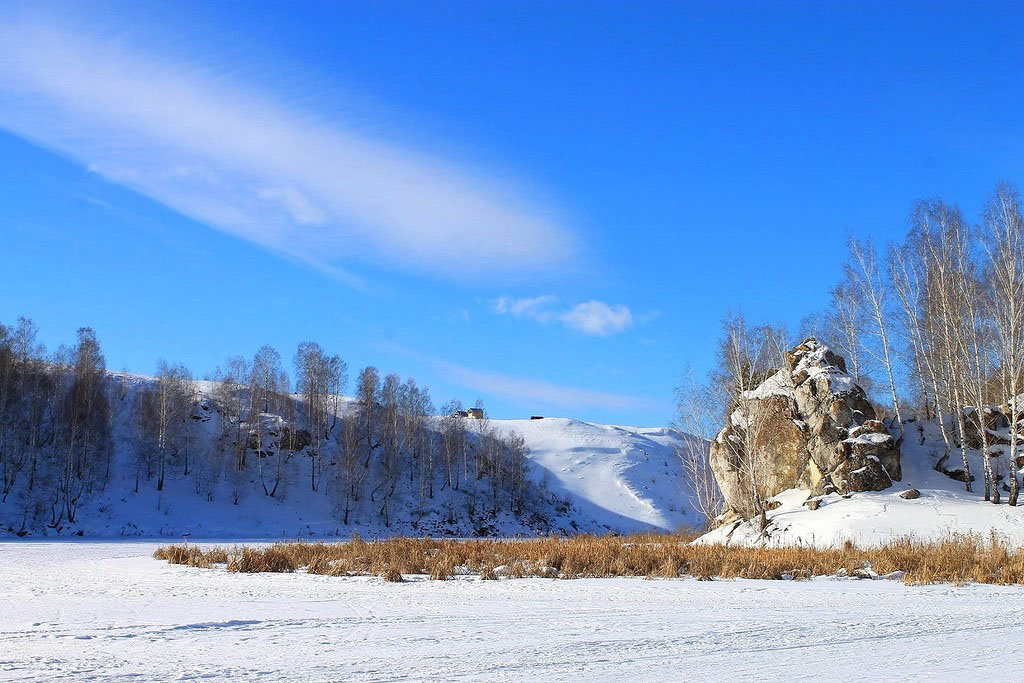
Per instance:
x=866, y=518
x=628, y=478
x=579, y=477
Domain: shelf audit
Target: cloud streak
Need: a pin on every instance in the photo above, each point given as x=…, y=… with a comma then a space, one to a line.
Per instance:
x=529, y=392
x=538, y=307
x=590, y=317
x=251, y=164
x=534, y=392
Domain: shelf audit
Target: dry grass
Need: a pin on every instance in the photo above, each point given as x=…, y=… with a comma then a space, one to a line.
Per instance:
x=192, y=555
x=274, y=558
x=958, y=559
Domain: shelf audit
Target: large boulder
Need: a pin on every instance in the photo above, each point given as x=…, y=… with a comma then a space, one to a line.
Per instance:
x=807, y=426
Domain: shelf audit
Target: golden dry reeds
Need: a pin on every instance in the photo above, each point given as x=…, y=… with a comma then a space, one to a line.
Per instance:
x=192, y=555
x=956, y=559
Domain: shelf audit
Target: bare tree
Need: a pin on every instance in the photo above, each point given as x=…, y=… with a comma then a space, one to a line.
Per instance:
x=86, y=420
x=265, y=371
x=368, y=412
x=746, y=357
x=862, y=271
x=164, y=414
x=695, y=416
x=908, y=268
x=350, y=469
x=844, y=328
x=1003, y=243
x=392, y=441
x=321, y=379
x=453, y=441
x=945, y=243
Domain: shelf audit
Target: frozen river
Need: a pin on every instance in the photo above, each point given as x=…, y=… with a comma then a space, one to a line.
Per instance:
x=107, y=610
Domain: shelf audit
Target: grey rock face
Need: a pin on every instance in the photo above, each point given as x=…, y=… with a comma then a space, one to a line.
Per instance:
x=807, y=426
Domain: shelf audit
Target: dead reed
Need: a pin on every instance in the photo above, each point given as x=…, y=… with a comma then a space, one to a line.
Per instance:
x=192, y=555
x=957, y=559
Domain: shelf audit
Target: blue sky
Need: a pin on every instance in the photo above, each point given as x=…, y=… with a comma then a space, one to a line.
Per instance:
x=549, y=205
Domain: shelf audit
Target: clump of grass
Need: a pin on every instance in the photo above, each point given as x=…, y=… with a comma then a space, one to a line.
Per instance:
x=517, y=570
x=442, y=567
x=392, y=574
x=669, y=569
x=216, y=556
x=272, y=558
x=957, y=559
x=192, y=555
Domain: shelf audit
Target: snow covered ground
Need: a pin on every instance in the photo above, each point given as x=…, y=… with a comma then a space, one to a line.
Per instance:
x=108, y=611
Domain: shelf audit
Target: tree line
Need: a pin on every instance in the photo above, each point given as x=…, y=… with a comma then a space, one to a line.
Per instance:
x=69, y=428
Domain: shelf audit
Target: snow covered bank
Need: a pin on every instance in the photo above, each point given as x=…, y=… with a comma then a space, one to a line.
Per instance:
x=871, y=518
x=108, y=611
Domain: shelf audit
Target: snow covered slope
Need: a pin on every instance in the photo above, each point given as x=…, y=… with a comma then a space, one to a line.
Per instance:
x=626, y=478
x=872, y=518
x=590, y=478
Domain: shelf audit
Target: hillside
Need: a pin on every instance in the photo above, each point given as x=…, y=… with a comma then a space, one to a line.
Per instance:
x=628, y=478
x=578, y=477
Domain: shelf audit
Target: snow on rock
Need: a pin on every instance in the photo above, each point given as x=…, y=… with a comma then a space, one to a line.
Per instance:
x=778, y=384
x=813, y=360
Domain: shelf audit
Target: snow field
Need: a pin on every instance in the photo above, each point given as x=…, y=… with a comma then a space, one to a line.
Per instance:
x=108, y=611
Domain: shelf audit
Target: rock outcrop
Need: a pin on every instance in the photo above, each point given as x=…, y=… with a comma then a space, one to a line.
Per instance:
x=807, y=426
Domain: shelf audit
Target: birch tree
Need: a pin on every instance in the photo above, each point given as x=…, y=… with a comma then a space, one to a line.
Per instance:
x=696, y=417
x=907, y=268
x=746, y=357
x=862, y=271
x=1003, y=243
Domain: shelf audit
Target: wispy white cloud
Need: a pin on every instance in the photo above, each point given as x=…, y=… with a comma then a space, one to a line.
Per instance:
x=590, y=317
x=534, y=392
x=530, y=392
x=251, y=164
x=537, y=308
x=597, y=317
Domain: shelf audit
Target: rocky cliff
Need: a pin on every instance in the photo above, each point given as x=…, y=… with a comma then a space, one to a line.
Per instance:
x=807, y=426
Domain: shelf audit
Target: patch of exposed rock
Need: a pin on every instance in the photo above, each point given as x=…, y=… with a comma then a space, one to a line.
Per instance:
x=807, y=426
